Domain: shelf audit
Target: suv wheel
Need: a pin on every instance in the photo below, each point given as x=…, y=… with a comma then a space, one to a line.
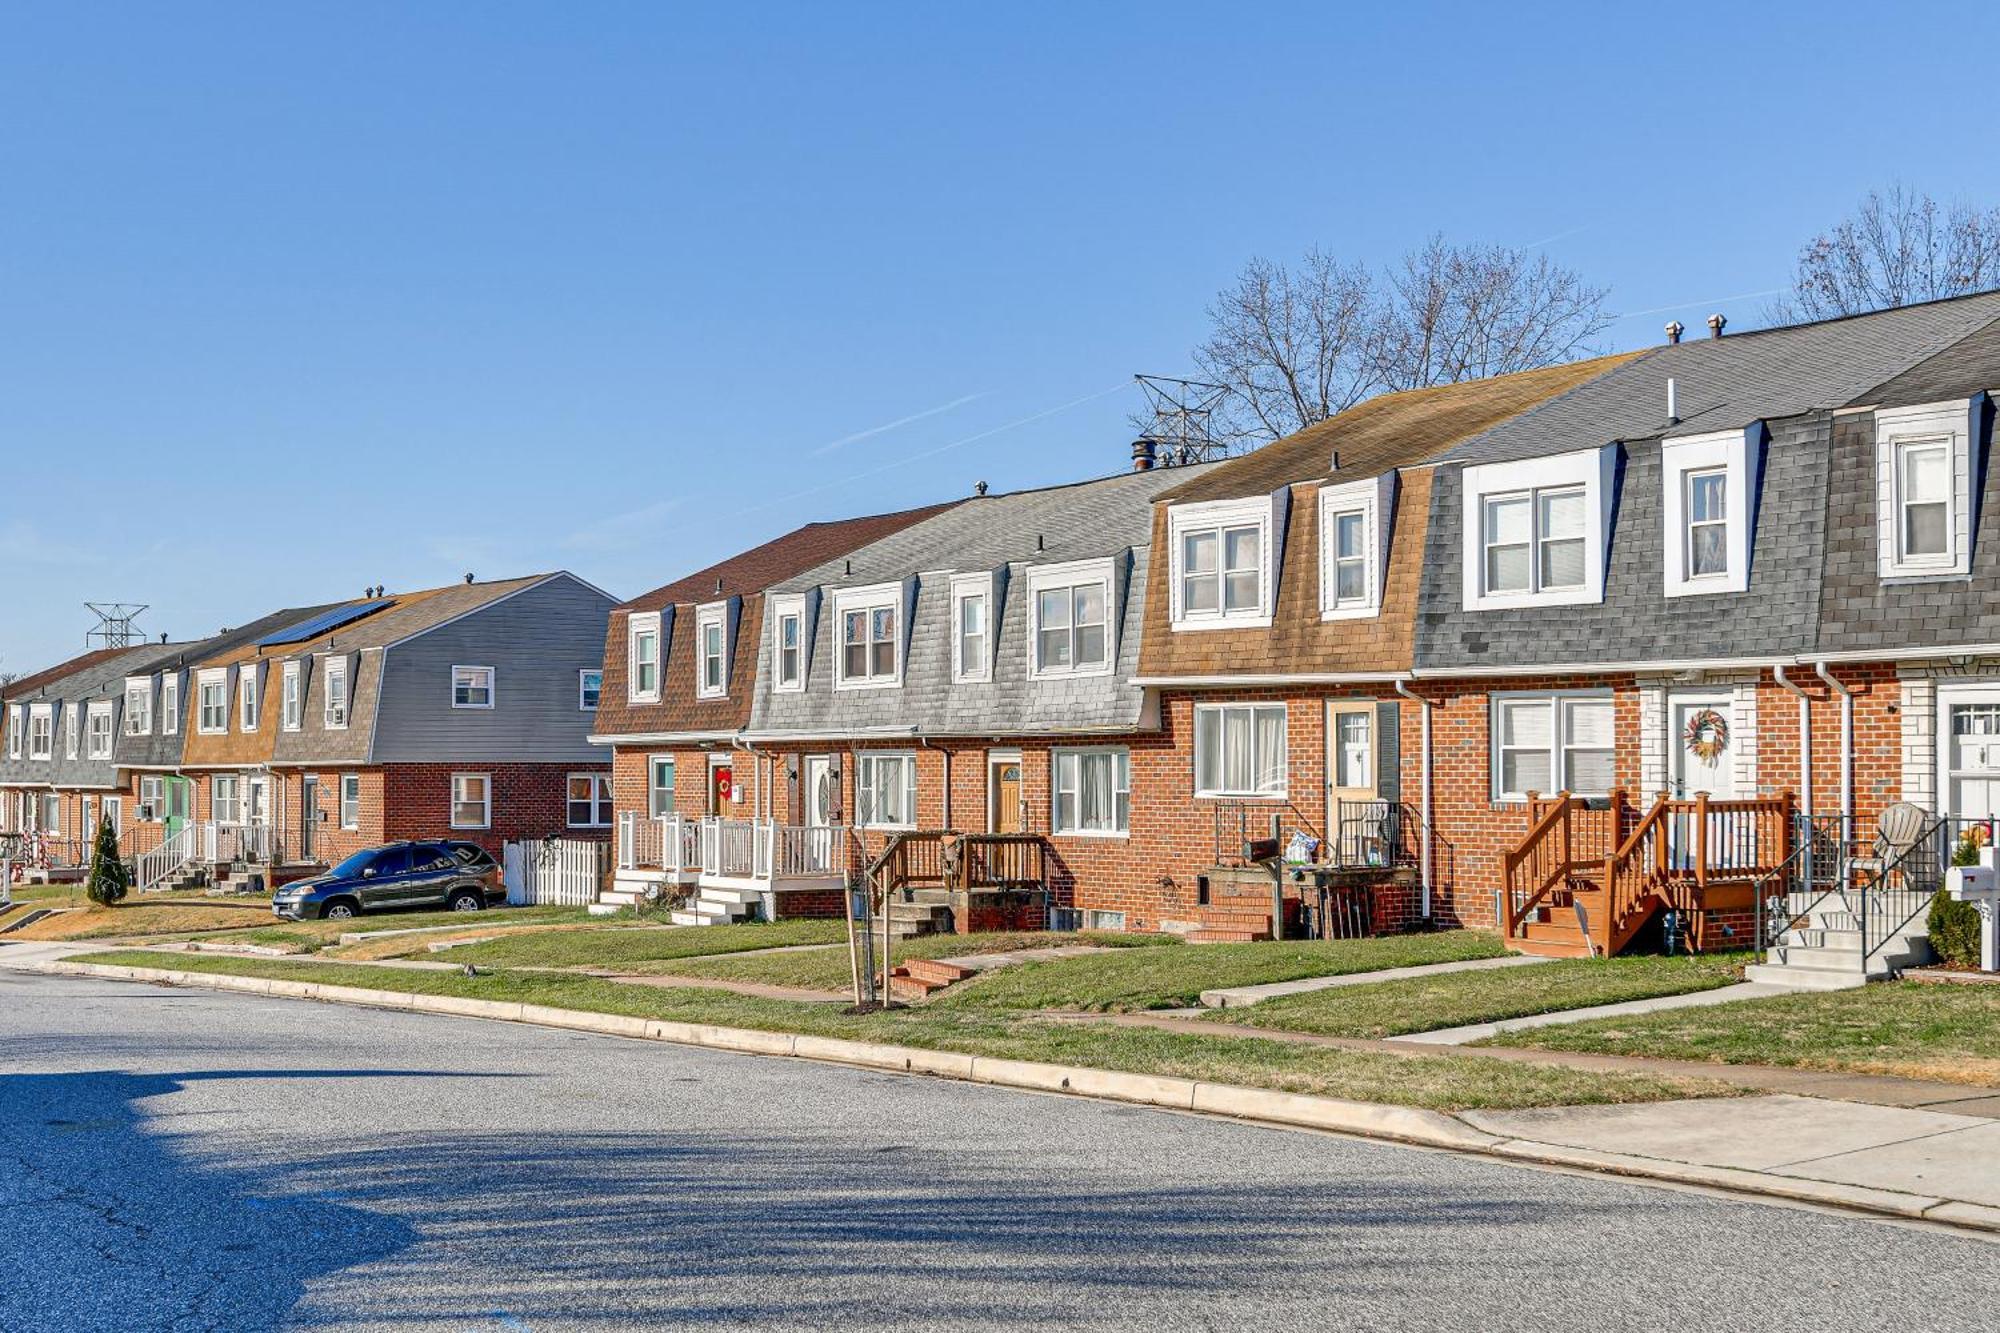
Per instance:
x=340, y=909
x=465, y=900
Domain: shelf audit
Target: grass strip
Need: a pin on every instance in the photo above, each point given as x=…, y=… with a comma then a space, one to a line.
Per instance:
x=1949, y=1034
x=1452, y=999
x=607, y=948
x=829, y=969
x=1436, y=1082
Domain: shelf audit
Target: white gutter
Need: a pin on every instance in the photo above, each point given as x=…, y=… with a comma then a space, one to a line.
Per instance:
x=660, y=737
x=1805, y=735
x=1846, y=742
x=1403, y=689
x=1299, y=678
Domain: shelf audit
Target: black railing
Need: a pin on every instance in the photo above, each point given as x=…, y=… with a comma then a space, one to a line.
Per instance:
x=1882, y=875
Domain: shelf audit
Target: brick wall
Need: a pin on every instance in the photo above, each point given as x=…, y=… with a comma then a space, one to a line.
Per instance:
x=528, y=801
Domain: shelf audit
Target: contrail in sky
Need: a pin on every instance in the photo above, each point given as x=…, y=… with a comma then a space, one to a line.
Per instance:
x=888, y=426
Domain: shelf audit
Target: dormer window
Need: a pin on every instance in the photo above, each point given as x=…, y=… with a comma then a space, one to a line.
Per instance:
x=870, y=622
x=1708, y=490
x=1927, y=475
x=1069, y=609
x=787, y=614
x=1222, y=563
x=170, y=704
x=1535, y=530
x=292, y=698
x=1354, y=546
x=72, y=730
x=972, y=628
x=139, y=707
x=336, y=694
x=16, y=723
x=246, y=688
x=642, y=656
x=212, y=698
x=42, y=732
x=97, y=731
x=711, y=625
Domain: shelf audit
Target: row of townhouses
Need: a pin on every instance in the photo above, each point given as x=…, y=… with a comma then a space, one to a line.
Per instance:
x=1602, y=637
x=280, y=746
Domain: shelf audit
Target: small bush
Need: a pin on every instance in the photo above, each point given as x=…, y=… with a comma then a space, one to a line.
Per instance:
x=109, y=880
x=1954, y=928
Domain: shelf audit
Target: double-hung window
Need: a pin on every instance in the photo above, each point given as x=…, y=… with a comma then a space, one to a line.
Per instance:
x=642, y=658
x=589, y=689
x=886, y=790
x=471, y=800
x=789, y=648
x=870, y=636
x=589, y=800
x=72, y=725
x=1928, y=472
x=1546, y=743
x=334, y=713
x=139, y=707
x=472, y=687
x=1708, y=487
x=292, y=697
x=226, y=798
x=212, y=699
x=1239, y=750
x=97, y=730
x=1092, y=791
x=1534, y=541
x=972, y=627
x=42, y=732
x=1535, y=530
x=17, y=722
x=1219, y=553
x=1353, y=521
x=1707, y=509
x=350, y=800
x=251, y=705
x=1923, y=501
x=711, y=632
x=1070, y=609
x=170, y=704
x=152, y=799
x=660, y=785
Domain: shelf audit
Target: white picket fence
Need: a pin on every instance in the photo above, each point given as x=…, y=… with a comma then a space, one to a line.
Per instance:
x=563, y=872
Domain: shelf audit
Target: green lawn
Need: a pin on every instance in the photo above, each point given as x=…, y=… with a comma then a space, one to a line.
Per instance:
x=829, y=969
x=1175, y=978
x=309, y=936
x=1422, y=1004
x=617, y=947
x=1905, y=1028
x=1440, y=1082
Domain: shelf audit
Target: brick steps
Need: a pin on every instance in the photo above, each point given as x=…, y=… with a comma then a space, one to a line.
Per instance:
x=1207, y=936
x=920, y=978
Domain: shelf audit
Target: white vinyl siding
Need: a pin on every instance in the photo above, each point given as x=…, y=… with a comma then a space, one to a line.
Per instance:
x=886, y=790
x=471, y=800
x=1239, y=750
x=472, y=687
x=589, y=803
x=1548, y=743
x=1092, y=792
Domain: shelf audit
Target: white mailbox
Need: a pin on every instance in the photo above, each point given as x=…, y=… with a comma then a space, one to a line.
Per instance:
x=1980, y=886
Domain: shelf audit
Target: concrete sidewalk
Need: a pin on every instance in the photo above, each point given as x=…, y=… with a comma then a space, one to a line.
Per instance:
x=1471, y=1032
x=1238, y=997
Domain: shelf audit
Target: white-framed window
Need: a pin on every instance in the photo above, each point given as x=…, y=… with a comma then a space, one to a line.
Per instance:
x=711, y=638
x=292, y=697
x=472, y=687
x=52, y=820
x=334, y=711
x=659, y=785
x=589, y=801
x=1354, y=547
x=139, y=706
x=226, y=798
x=885, y=789
x=212, y=702
x=870, y=627
x=42, y=732
x=1708, y=489
x=350, y=800
x=97, y=730
x=1092, y=792
x=972, y=627
x=788, y=642
x=471, y=800
x=1535, y=530
x=152, y=799
x=114, y=814
x=1239, y=750
x=72, y=725
x=17, y=724
x=1222, y=573
x=170, y=704
x=589, y=689
x=1553, y=742
x=1925, y=479
x=250, y=706
x=1069, y=614
x=642, y=657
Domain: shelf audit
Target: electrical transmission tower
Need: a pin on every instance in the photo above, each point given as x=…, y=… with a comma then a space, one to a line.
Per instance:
x=1182, y=420
x=114, y=625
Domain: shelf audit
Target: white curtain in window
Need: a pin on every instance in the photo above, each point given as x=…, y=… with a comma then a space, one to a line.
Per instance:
x=1270, y=749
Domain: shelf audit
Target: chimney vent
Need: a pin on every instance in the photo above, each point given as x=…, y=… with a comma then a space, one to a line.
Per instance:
x=163, y=636
x=1144, y=455
x=1716, y=323
x=979, y=488
x=1673, y=402
x=1674, y=330
x=718, y=585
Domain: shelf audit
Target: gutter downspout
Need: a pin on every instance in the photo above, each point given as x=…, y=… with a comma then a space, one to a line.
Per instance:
x=738, y=745
x=1846, y=744
x=1805, y=734
x=1424, y=854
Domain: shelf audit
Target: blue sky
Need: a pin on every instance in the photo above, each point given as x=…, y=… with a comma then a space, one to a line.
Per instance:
x=300, y=298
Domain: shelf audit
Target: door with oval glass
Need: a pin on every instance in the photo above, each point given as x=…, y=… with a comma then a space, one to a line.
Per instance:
x=820, y=795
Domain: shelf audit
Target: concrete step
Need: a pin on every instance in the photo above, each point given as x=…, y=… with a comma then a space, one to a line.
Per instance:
x=1551, y=948
x=1805, y=978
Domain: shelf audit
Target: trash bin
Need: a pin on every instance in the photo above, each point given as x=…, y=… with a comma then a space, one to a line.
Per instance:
x=256, y=883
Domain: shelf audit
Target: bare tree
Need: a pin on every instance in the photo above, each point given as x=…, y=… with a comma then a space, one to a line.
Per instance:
x=1464, y=312
x=1294, y=346
x=1898, y=247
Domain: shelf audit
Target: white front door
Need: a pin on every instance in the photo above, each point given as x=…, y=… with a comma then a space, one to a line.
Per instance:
x=1969, y=752
x=821, y=797
x=1702, y=740
x=257, y=800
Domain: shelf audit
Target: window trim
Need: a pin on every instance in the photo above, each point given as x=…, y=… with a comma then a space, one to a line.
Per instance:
x=471, y=673
x=1737, y=454
x=217, y=678
x=335, y=669
x=486, y=802
x=600, y=800
x=170, y=704
x=865, y=763
x=639, y=625
x=653, y=762
x=711, y=616
x=870, y=599
x=1374, y=499
x=341, y=802
x=249, y=704
x=1070, y=576
x=1219, y=517
x=1283, y=791
x=1121, y=761
x=72, y=729
x=583, y=691
x=105, y=709
x=139, y=722
x=151, y=811
x=44, y=714
x=965, y=588
x=1558, y=738
x=291, y=697
x=783, y=607
x=1958, y=427
x=17, y=726
x=1590, y=470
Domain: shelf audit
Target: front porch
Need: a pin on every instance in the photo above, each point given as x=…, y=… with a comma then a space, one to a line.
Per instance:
x=735, y=867
x=223, y=856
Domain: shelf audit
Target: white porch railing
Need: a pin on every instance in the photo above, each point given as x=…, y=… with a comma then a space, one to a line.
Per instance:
x=222, y=842
x=762, y=850
x=658, y=842
x=155, y=867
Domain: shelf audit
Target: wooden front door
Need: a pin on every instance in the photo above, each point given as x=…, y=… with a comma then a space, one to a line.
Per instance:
x=1004, y=793
x=1355, y=826
x=721, y=784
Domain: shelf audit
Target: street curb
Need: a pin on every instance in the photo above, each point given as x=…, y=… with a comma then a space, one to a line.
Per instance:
x=1399, y=1124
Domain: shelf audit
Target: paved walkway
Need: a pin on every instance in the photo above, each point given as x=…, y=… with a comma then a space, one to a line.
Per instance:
x=1459, y=1036
x=1238, y=997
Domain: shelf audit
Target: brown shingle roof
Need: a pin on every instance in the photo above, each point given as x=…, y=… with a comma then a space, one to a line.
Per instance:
x=81, y=662
x=1390, y=431
x=780, y=558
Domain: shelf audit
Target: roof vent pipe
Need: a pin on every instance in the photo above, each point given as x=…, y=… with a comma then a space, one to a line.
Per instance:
x=979, y=488
x=468, y=577
x=1716, y=323
x=1674, y=330
x=1333, y=461
x=1144, y=455
x=1673, y=402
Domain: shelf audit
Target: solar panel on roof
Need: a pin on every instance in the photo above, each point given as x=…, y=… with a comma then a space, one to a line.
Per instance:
x=324, y=621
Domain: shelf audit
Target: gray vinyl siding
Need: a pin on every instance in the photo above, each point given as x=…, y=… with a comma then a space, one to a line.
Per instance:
x=102, y=682
x=536, y=641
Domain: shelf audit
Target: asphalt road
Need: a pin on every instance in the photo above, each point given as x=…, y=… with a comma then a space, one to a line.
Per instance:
x=187, y=1160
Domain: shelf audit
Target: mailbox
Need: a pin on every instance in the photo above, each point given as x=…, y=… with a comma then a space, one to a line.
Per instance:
x=1969, y=884
x=1980, y=886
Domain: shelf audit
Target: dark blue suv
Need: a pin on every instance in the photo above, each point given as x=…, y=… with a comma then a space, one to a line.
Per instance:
x=460, y=876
